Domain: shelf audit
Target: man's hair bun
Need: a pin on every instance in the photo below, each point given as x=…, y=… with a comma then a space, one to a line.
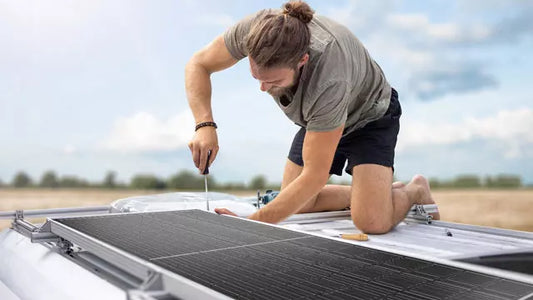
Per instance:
x=298, y=9
x=280, y=38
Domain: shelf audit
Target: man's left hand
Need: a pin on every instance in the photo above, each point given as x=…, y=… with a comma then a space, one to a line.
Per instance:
x=224, y=211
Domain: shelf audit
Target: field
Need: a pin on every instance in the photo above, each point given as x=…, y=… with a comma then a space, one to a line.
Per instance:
x=512, y=209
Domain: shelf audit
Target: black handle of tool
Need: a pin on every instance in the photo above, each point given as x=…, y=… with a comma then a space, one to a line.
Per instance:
x=206, y=170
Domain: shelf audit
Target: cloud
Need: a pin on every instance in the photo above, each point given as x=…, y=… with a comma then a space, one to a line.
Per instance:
x=422, y=48
x=382, y=19
x=69, y=149
x=423, y=33
x=430, y=84
x=143, y=132
x=513, y=25
x=430, y=58
x=363, y=17
x=508, y=130
x=496, y=23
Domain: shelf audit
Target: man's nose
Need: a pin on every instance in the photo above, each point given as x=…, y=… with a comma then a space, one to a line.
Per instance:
x=265, y=86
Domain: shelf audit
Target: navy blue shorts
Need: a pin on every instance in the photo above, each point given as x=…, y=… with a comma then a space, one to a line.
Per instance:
x=372, y=144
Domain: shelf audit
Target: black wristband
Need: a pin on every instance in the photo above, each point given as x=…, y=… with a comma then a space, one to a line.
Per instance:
x=203, y=124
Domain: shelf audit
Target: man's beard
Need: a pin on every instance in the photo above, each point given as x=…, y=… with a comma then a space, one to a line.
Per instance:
x=277, y=92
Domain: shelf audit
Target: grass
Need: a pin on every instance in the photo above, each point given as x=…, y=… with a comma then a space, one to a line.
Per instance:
x=511, y=209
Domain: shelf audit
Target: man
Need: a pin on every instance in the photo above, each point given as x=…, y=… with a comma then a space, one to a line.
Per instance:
x=325, y=81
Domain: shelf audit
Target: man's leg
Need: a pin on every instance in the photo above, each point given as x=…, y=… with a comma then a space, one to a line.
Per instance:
x=331, y=197
x=375, y=206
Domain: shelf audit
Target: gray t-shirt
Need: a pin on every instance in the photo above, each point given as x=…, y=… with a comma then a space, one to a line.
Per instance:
x=340, y=84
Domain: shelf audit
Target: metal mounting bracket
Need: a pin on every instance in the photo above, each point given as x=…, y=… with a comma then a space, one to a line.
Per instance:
x=422, y=212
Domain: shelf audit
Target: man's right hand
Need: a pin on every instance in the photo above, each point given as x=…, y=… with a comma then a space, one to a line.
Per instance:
x=204, y=139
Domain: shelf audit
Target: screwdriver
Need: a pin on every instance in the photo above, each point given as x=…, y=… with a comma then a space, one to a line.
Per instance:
x=205, y=173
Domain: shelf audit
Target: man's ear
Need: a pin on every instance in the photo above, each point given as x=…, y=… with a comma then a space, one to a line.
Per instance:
x=304, y=60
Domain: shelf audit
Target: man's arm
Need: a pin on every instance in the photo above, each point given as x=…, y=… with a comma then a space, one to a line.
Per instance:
x=318, y=152
x=214, y=57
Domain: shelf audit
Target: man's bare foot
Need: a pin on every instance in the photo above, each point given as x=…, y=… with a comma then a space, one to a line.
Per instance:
x=423, y=192
x=398, y=185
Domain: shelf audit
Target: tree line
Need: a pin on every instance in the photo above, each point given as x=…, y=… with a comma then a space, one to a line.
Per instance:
x=188, y=180
x=183, y=180
x=474, y=181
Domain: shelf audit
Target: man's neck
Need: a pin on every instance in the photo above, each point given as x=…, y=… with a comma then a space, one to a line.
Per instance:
x=297, y=81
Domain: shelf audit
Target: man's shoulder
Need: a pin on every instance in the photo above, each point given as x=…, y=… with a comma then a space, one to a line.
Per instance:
x=332, y=42
x=321, y=35
x=325, y=30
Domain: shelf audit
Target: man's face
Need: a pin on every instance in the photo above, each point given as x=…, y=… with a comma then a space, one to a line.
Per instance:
x=276, y=81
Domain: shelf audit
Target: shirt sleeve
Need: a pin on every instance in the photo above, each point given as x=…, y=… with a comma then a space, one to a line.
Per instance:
x=235, y=36
x=330, y=108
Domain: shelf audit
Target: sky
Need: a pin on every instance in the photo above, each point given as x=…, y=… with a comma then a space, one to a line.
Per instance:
x=92, y=86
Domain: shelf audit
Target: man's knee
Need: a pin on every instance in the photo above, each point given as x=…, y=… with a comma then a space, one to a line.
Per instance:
x=371, y=198
x=372, y=223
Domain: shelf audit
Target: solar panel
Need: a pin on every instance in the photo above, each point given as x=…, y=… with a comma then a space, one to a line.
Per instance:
x=249, y=260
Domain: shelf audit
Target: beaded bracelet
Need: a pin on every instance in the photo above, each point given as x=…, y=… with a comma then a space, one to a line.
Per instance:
x=203, y=124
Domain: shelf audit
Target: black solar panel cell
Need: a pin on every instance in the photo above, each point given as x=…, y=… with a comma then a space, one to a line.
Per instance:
x=401, y=280
x=476, y=296
x=411, y=295
x=437, y=271
x=470, y=279
x=407, y=264
x=509, y=288
x=437, y=290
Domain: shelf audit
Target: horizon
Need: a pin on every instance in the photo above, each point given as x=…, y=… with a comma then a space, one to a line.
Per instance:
x=460, y=181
